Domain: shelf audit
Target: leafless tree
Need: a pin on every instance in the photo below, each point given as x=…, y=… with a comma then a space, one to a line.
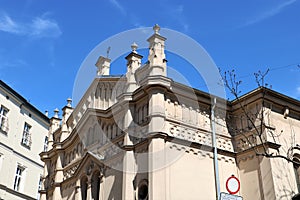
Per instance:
x=257, y=120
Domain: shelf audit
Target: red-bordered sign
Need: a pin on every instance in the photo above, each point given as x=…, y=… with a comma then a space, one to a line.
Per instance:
x=233, y=185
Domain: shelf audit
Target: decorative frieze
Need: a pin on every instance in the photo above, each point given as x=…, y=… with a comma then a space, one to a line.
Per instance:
x=69, y=172
x=187, y=114
x=198, y=136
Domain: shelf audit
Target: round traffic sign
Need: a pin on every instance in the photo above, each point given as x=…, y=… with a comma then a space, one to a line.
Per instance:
x=233, y=185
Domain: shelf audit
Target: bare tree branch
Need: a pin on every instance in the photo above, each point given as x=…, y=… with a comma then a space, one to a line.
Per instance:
x=232, y=84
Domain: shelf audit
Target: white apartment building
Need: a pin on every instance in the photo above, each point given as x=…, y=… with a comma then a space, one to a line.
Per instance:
x=23, y=136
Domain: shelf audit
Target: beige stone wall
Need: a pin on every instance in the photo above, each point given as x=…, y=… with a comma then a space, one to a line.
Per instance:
x=189, y=178
x=285, y=133
x=112, y=185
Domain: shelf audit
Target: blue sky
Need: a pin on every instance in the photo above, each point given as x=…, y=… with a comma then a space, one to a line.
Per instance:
x=43, y=43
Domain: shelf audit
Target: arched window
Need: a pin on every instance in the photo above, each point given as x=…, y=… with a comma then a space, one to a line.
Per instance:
x=83, y=187
x=143, y=190
x=95, y=185
x=297, y=169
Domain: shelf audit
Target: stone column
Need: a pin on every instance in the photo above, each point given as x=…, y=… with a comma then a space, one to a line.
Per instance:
x=77, y=190
x=58, y=177
x=157, y=170
x=128, y=160
x=157, y=147
x=157, y=110
x=89, y=189
x=101, y=187
x=43, y=192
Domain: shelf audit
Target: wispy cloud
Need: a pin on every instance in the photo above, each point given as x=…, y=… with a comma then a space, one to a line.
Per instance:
x=298, y=91
x=8, y=25
x=45, y=28
x=13, y=64
x=270, y=13
x=117, y=4
x=179, y=14
x=39, y=27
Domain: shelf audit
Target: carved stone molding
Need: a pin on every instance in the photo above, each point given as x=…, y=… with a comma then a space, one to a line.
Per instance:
x=201, y=153
x=194, y=135
x=69, y=172
x=245, y=158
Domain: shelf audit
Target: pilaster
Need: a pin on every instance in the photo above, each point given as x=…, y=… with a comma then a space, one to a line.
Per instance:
x=129, y=166
x=89, y=189
x=157, y=110
x=157, y=170
x=77, y=190
x=58, y=177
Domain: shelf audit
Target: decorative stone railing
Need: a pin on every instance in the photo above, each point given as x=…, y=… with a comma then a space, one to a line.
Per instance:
x=193, y=134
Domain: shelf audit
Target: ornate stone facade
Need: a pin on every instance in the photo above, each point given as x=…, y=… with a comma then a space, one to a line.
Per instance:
x=144, y=136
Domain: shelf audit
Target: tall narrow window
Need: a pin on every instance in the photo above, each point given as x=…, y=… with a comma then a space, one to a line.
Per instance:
x=26, y=139
x=3, y=119
x=46, y=143
x=143, y=190
x=40, y=187
x=95, y=184
x=1, y=158
x=18, y=178
x=297, y=170
x=83, y=187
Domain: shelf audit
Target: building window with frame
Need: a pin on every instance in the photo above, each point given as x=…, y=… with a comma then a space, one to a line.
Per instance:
x=26, y=138
x=40, y=186
x=18, y=178
x=1, y=158
x=3, y=119
x=46, y=144
x=83, y=187
x=297, y=170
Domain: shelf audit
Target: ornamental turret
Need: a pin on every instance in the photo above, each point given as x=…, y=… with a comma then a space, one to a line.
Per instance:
x=157, y=58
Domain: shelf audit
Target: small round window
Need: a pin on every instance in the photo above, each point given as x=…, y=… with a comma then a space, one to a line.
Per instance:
x=143, y=190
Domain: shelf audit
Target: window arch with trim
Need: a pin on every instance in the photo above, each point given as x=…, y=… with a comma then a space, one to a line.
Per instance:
x=95, y=184
x=83, y=187
x=296, y=158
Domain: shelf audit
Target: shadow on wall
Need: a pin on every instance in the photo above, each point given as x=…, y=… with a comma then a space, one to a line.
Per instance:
x=296, y=197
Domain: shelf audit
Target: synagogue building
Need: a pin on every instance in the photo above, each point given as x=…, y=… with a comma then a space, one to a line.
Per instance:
x=145, y=136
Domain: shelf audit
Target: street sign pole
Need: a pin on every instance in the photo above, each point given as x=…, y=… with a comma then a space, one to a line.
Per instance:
x=215, y=148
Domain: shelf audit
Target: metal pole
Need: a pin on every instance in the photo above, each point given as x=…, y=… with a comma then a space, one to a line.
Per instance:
x=216, y=166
